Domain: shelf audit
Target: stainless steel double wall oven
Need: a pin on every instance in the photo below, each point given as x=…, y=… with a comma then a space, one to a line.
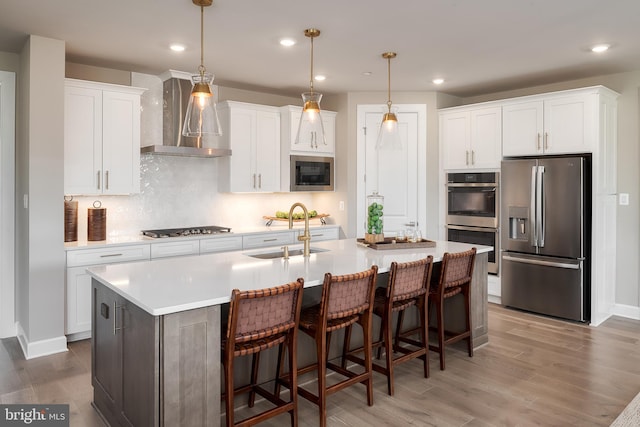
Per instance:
x=473, y=210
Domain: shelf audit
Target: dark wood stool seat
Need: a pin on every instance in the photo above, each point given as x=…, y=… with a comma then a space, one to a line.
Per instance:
x=408, y=286
x=346, y=300
x=454, y=278
x=259, y=320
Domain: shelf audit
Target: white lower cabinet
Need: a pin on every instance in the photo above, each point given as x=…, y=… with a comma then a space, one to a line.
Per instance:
x=263, y=240
x=175, y=248
x=321, y=233
x=78, y=282
x=220, y=244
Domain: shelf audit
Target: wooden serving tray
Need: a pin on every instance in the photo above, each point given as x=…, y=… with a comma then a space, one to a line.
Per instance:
x=392, y=243
x=270, y=219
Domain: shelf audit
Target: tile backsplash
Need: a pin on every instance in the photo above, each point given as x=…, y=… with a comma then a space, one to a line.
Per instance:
x=180, y=192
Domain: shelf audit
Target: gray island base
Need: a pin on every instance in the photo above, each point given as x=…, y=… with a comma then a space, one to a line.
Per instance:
x=155, y=352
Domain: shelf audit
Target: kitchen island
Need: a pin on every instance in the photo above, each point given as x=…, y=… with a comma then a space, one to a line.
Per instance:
x=156, y=324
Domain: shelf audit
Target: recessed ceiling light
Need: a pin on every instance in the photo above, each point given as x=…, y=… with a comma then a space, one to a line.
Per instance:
x=367, y=73
x=287, y=42
x=320, y=77
x=599, y=48
x=438, y=81
x=177, y=47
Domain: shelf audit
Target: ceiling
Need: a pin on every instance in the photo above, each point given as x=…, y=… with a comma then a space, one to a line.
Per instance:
x=476, y=46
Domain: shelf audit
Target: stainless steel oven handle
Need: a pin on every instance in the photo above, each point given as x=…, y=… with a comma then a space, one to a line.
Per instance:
x=470, y=185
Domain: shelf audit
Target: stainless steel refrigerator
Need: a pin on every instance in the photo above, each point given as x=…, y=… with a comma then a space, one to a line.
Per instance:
x=546, y=229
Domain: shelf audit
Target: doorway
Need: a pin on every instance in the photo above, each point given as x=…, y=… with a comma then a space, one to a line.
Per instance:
x=397, y=175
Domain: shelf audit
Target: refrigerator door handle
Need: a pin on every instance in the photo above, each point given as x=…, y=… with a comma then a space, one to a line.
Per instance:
x=532, y=208
x=542, y=262
x=540, y=207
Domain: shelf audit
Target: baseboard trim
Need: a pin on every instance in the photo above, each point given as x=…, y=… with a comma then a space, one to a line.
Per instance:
x=34, y=349
x=628, y=311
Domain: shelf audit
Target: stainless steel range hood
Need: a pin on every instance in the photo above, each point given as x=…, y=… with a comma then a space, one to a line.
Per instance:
x=175, y=97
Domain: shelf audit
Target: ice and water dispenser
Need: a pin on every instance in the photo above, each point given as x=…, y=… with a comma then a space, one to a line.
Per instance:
x=518, y=223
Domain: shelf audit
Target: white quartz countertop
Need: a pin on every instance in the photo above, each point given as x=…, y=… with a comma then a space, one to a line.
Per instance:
x=172, y=285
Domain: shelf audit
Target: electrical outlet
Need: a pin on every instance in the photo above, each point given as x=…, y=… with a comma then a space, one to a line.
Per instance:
x=341, y=205
x=623, y=199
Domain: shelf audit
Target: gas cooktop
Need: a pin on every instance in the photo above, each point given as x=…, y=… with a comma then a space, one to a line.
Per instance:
x=190, y=231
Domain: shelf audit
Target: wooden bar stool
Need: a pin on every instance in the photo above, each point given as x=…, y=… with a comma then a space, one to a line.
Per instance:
x=346, y=300
x=408, y=286
x=455, y=278
x=259, y=320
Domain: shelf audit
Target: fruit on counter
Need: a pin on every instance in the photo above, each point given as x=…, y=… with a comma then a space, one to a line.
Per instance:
x=296, y=215
x=374, y=218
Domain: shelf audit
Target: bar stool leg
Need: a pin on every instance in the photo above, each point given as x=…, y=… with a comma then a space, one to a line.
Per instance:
x=321, y=350
x=388, y=345
x=345, y=346
x=366, y=332
x=467, y=303
x=424, y=333
x=228, y=405
x=293, y=381
x=440, y=315
x=254, y=378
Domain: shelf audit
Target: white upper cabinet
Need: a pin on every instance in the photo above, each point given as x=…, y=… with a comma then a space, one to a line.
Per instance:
x=471, y=138
x=101, y=138
x=290, y=119
x=252, y=132
x=557, y=124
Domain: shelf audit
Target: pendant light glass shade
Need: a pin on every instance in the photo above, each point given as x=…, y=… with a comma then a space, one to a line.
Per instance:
x=202, y=117
x=310, y=128
x=389, y=134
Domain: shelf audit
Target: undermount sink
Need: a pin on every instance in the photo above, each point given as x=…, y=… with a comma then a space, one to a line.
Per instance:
x=279, y=253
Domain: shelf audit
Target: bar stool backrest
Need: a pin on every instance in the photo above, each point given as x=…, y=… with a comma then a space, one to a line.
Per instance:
x=457, y=270
x=347, y=295
x=263, y=313
x=410, y=279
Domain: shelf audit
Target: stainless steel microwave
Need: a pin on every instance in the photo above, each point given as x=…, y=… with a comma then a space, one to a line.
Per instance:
x=312, y=173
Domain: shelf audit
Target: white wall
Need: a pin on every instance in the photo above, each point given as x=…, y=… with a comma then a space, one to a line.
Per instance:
x=39, y=177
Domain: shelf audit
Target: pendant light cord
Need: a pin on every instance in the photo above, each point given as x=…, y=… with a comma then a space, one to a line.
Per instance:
x=201, y=68
x=389, y=83
x=311, y=77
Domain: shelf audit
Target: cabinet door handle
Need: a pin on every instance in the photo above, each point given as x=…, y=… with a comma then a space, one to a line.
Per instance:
x=466, y=157
x=546, y=140
x=109, y=255
x=254, y=180
x=259, y=180
x=538, y=143
x=269, y=240
x=98, y=179
x=115, y=317
x=473, y=157
x=106, y=180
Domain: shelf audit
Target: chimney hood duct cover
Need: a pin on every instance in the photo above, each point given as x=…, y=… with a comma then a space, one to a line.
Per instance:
x=175, y=96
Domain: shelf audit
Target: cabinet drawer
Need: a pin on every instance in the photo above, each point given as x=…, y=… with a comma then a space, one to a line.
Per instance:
x=320, y=234
x=267, y=239
x=110, y=255
x=221, y=244
x=171, y=249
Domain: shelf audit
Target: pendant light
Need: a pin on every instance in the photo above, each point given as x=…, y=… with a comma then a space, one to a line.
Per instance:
x=389, y=135
x=311, y=129
x=201, y=118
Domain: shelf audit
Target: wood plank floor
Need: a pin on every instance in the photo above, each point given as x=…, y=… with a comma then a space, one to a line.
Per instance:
x=535, y=371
